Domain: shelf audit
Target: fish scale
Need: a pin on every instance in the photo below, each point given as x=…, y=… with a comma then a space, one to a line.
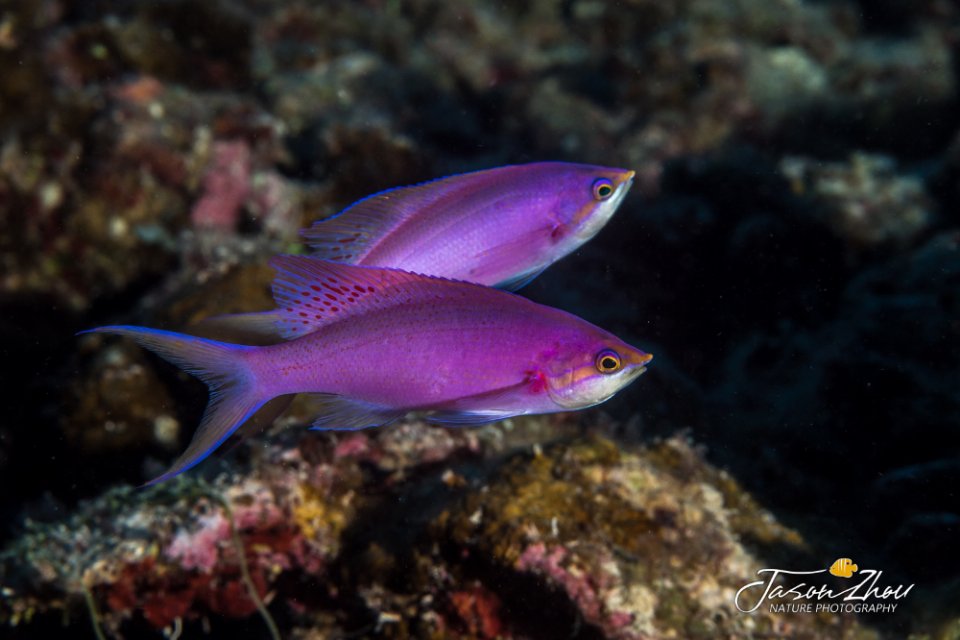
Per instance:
x=417, y=356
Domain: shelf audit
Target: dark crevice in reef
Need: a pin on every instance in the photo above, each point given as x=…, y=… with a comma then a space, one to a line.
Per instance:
x=531, y=607
x=392, y=538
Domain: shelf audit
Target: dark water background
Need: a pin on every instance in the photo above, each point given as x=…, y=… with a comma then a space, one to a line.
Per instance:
x=789, y=251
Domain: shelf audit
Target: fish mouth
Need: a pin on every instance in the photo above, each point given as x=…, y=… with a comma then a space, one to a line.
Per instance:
x=623, y=186
x=621, y=191
x=637, y=362
x=626, y=379
x=636, y=372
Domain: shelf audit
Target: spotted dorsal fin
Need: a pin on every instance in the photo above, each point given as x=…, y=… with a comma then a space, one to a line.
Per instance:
x=311, y=293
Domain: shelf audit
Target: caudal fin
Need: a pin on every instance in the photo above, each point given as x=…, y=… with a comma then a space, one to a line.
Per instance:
x=233, y=388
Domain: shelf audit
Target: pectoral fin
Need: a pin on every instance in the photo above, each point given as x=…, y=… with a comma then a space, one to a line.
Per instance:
x=478, y=409
x=490, y=261
x=338, y=413
x=520, y=280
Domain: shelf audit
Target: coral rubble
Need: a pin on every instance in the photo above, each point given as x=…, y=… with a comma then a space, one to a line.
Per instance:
x=651, y=544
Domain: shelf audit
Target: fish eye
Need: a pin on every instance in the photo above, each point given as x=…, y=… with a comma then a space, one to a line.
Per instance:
x=602, y=188
x=608, y=361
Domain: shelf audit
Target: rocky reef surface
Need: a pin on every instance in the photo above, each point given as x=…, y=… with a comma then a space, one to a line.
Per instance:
x=790, y=255
x=420, y=532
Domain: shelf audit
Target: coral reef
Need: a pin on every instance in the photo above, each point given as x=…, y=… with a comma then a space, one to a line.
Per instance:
x=644, y=545
x=652, y=544
x=168, y=554
x=864, y=202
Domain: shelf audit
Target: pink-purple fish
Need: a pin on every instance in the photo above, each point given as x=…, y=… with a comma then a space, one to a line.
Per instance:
x=376, y=343
x=499, y=227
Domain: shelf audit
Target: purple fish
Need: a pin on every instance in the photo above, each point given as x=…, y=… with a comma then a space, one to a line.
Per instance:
x=376, y=343
x=500, y=227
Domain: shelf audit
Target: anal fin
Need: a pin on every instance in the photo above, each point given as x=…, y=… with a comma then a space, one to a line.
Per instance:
x=468, y=418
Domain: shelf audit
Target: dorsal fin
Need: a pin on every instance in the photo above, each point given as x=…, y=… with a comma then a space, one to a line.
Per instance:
x=355, y=231
x=311, y=293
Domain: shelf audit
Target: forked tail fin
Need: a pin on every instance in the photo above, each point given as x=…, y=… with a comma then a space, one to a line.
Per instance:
x=234, y=395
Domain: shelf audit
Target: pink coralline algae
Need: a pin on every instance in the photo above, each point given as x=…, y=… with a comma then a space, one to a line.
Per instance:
x=192, y=548
x=629, y=545
x=356, y=445
x=199, y=568
x=183, y=551
x=199, y=550
x=580, y=585
x=613, y=544
x=226, y=186
x=236, y=182
x=584, y=585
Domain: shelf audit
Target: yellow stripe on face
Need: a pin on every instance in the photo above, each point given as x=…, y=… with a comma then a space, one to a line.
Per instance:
x=584, y=212
x=583, y=372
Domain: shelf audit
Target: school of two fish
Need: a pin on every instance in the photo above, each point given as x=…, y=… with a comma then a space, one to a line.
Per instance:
x=403, y=307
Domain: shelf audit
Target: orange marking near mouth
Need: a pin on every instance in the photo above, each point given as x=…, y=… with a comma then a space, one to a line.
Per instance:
x=582, y=372
x=583, y=213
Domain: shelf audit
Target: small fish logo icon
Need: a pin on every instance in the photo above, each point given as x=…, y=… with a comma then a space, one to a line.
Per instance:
x=843, y=568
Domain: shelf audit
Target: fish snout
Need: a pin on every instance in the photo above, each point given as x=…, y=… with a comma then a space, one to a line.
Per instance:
x=634, y=363
x=625, y=178
x=638, y=358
